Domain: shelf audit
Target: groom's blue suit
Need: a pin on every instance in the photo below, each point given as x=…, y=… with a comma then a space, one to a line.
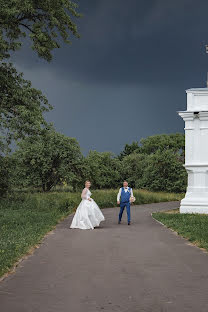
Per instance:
x=125, y=202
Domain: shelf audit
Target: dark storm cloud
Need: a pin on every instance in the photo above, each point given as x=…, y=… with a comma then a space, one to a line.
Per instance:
x=126, y=77
x=136, y=42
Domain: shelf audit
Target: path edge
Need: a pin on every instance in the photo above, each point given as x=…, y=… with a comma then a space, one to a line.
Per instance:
x=31, y=251
x=188, y=242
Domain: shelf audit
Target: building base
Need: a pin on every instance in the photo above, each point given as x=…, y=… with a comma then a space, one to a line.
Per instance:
x=194, y=205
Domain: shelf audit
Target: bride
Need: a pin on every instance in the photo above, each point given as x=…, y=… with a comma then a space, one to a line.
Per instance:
x=88, y=215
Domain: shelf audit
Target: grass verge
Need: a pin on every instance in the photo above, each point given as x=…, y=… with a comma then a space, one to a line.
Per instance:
x=193, y=227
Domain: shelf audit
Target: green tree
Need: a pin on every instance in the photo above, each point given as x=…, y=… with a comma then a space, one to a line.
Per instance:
x=21, y=106
x=164, y=171
x=133, y=167
x=175, y=142
x=48, y=159
x=156, y=163
x=102, y=169
x=44, y=21
x=129, y=149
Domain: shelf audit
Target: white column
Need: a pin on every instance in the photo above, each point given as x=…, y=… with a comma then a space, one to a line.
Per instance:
x=196, y=151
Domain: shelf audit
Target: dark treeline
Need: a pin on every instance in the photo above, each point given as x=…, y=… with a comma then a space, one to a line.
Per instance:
x=51, y=159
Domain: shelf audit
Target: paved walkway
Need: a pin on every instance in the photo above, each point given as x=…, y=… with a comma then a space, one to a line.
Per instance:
x=121, y=268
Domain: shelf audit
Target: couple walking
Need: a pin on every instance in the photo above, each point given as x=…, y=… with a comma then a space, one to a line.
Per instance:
x=88, y=215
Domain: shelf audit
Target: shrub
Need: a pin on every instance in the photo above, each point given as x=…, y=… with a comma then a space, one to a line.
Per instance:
x=164, y=171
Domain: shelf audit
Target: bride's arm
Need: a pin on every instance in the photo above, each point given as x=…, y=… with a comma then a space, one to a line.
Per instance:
x=84, y=194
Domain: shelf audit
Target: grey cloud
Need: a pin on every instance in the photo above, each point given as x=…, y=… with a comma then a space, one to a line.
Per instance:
x=135, y=42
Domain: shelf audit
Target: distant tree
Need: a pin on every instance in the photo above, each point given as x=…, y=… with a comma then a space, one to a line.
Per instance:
x=156, y=163
x=164, y=171
x=44, y=21
x=133, y=167
x=175, y=142
x=128, y=149
x=102, y=169
x=47, y=159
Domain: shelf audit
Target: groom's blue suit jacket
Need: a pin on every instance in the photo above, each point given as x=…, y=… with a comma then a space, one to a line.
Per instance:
x=125, y=196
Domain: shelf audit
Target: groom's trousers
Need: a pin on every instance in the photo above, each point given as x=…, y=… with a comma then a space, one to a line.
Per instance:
x=122, y=207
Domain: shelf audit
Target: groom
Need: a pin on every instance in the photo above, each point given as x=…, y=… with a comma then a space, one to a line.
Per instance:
x=123, y=199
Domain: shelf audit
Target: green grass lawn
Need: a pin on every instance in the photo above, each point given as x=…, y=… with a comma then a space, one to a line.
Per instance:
x=26, y=218
x=194, y=227
x=23, y=223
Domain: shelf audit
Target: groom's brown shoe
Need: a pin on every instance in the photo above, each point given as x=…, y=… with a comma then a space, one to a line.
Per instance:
x=119, y=222
x=129, y=223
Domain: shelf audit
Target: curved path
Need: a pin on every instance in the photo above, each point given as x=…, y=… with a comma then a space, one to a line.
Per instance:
x=142, y=267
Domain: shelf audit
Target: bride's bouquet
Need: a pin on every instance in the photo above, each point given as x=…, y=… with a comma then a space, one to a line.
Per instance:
x=132, y=199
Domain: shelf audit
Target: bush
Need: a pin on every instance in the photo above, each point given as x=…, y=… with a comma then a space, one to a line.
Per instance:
x=164, y=172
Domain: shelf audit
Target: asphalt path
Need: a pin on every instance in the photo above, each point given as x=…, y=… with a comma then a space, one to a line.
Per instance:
x=136, y=268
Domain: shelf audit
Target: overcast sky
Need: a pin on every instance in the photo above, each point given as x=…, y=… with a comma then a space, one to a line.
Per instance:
x=126, y=77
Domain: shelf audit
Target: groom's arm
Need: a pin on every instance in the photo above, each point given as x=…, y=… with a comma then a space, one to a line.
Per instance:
x=118, y=196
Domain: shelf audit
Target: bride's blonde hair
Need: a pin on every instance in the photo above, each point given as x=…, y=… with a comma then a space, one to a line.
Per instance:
x=87, y=181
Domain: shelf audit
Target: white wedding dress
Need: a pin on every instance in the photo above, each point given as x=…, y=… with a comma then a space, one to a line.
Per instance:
x=88, y=215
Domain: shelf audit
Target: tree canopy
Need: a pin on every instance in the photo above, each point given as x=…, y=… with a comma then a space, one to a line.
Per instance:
x=44, y=21
x=129, y=149
x=21, y=106
x=164, y=171
x=156, y=163
x=50, y=158
x=103, y=169
x=47, y=159
x=175, y=142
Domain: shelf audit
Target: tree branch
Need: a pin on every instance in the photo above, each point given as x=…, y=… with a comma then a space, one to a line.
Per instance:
x=26, y=26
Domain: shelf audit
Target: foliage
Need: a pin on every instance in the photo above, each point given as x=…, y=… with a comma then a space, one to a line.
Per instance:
x=26, y=218
x=157, y=164
x=50, y=159
x=44, y=21
x=194, y=227
x=133, y=167
x=164, y=172
x=21, y=106
x=174, y=142
x=24, y=222
x=102, y=169
x=47, y=160
x=5, y=182
x=129, y=149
